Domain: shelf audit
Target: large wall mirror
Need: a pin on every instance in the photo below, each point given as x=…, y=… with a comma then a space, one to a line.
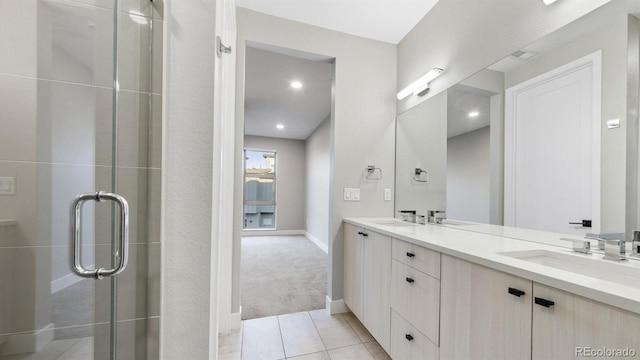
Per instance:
x=545, y=139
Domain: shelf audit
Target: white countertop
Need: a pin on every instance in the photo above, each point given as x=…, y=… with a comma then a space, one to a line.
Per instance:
x=482, y=244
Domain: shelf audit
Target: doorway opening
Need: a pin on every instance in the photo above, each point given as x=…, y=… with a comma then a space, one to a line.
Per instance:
x=286, y=175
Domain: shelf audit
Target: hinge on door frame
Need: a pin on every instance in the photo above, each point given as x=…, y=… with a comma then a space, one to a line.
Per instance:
x=220, y=48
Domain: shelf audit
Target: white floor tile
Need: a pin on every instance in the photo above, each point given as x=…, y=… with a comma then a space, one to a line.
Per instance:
x=355, y=352
x=377, y=351
x=334, y=330
x=261, y=339
x=360, y=330
x=323, y=355
x=299, y=334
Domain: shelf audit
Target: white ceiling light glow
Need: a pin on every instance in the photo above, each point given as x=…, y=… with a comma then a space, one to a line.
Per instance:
x=419, y=86
x=296, y=84
x=474, y=114
x=548, y=2
x=280, y=126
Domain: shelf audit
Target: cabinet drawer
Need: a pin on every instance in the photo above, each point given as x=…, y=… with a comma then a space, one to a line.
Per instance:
x=407, y=343
x=423, y=259
x=416, y=296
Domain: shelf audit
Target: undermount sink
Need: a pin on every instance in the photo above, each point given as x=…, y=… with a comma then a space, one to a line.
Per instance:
x=394, y=223
x=619, y=273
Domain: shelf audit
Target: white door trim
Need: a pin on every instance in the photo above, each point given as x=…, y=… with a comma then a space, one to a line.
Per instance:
x=593, y=61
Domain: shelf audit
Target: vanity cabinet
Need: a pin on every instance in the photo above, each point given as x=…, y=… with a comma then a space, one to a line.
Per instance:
x=353, y=269
x=421, y=304
x=367, y=274
x=415, y=301
x=485, y=314
x=564, y=323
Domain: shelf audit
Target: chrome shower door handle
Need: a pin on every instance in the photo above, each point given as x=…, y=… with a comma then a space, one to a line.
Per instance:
x=123, y=238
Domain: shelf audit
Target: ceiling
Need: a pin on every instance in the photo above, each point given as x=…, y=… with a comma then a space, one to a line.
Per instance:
x=461, y=100
x=270, y=100
x=384, y=20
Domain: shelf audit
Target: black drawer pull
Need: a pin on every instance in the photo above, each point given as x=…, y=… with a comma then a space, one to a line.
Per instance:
x=365, y=234
x=360, y=233
x=410, y=254
x=544, y=302
x=516, y=292
x=409, y=280
x=408, y=337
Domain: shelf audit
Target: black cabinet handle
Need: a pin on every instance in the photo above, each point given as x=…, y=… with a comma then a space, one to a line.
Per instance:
x=584, y=223
x=409, y=280
x=365, y=234
x=408, y=337
x=410, y=254
x=516, y=292
x=544, y=302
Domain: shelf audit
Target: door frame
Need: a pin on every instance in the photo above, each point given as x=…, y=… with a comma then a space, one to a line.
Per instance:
x=593, y=61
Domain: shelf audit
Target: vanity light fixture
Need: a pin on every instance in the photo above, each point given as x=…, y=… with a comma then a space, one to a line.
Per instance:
x=420, y=86
x=280, y=126
x=474, y=114
x=296, y=84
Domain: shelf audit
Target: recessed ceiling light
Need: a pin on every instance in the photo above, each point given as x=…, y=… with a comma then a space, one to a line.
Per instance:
x=296, y=84
x=280, y=126
x=474, y=114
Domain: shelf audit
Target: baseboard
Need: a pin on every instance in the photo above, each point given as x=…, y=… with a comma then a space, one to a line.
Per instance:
x=317, y=241
x=30, y=342
x=64, y=282
x=336, y=307
x=271, y=232
x=236, y=319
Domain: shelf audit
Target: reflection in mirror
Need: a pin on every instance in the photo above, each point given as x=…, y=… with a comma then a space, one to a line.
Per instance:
x=539, y=145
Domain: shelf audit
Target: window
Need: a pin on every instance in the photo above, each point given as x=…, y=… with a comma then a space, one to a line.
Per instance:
x=259, y=189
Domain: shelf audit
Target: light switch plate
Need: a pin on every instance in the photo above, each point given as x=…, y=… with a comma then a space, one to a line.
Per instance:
x=351, y=194
x=387, y=194
x=7, y=185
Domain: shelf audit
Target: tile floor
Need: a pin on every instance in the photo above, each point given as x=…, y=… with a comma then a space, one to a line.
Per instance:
x=309, y=335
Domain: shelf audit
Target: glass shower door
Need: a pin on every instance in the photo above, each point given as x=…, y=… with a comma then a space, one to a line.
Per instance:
x=69, y=125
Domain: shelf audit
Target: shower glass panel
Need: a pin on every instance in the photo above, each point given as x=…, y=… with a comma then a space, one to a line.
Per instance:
x=79, y=113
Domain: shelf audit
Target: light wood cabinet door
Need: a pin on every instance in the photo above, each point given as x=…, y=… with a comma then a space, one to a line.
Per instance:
x=416, y=297
x=482, y=316
x=574, y=327
x=353, y=270
x=407, y=343
x=377, y=278
x=418, y=257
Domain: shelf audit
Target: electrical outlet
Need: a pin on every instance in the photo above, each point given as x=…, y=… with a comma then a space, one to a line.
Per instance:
x=387, y=194
x=7, y=185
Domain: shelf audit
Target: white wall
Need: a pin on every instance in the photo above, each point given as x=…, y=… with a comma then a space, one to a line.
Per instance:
x=318, y=175
x=363, y=117
x=290, y=179
x=612, y=40
x=190, y=181
x=468, y=176
x=464, y=37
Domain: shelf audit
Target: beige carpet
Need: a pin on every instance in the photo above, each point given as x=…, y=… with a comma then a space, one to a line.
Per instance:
x=281, y=275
